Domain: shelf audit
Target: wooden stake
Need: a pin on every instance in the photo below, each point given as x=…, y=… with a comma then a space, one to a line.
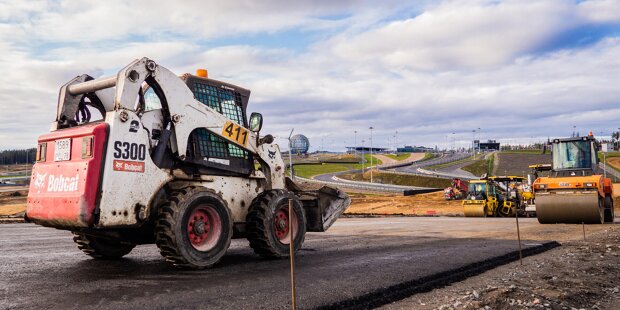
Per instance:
x=584, y=230
x=519, y=238
x=291, y=251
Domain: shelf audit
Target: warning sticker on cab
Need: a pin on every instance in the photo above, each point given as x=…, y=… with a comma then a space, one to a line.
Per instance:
x=128, y=166
x=234, y=132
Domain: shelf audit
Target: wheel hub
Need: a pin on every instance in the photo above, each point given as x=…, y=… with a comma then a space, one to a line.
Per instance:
x=198, y=227
x=281, y=223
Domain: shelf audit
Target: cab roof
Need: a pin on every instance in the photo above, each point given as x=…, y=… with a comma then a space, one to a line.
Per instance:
x=573, y=139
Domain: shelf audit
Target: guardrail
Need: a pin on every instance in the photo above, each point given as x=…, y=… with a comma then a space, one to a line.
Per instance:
x=336, y=181
x=361, y=185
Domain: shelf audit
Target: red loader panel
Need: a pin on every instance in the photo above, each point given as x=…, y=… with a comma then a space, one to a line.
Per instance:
x=64, y=186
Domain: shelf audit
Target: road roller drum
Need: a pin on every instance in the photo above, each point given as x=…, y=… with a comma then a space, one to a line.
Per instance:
x=569, y=207
x=475, y=209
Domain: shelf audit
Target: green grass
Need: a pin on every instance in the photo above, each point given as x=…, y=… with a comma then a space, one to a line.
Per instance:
x=310, y=170
x=399, y=157
x=480, y=167
x=400, y=179
x=607, y=157
x=13, y=176
x=452, y=163
x=375, y=160
x=428, y=156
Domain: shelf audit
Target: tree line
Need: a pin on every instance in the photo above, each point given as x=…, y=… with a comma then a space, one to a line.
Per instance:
x=24, y=156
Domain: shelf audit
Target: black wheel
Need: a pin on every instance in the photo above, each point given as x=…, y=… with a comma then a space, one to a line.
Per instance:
x=101, y=248
x=268, y=224
x=609, y=210
x=501, y=212
x=193, y=228
x=601, y=211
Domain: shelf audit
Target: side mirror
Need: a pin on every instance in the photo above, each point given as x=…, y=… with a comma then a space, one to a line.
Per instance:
x=256, y=122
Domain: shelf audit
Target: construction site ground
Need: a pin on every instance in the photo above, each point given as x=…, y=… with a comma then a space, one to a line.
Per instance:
x=578, y=275
x=358, y=263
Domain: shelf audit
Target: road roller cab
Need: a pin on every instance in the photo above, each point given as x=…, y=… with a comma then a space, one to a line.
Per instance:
x=481, y=200
x=510, y=195
x=575, y=190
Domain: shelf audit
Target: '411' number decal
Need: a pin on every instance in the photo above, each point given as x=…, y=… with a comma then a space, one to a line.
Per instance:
x=234, y=132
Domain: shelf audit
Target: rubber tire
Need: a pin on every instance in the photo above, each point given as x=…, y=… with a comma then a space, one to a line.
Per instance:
x=171, y=235
x=101, y=248
x=261, y=231
x=601, y=210
x=609, y=209
x=498, y=213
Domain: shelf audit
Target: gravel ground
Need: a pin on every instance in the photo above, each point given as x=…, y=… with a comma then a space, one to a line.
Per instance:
x=578, y=275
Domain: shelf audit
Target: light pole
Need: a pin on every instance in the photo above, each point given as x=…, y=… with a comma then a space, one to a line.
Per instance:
x=290, y=154
x=453, y=142
x=371, y=128
x=479, y=139
x=355, y=143
x=363, y=159
x=473, y=144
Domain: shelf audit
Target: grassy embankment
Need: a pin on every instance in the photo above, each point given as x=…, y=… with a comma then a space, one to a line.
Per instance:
x=448, y=164
x=427, y=156
x=480, y=167
x=399, y=179
x=398, y=157
x=310, y=170
x=612, y=159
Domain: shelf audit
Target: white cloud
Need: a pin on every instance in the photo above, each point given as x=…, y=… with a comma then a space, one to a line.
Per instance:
x=452, y=67
x=602, y=11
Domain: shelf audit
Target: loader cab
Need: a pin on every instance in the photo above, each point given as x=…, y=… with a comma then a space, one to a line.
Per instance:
x=574, y=156
x=208, y=150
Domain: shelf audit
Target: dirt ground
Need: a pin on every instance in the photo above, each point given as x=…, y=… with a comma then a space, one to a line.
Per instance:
x=421, y=204
x=4, y=169
x=12, y=200
x=578, y=275
x=614, y=162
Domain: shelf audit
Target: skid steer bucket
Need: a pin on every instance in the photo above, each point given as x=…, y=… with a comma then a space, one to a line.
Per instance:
x=322, y=206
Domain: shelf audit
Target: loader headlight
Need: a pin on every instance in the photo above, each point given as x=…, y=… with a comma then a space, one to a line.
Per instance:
x=541, y=186
x=87, y=147
x=41, y=150
x=589, y=184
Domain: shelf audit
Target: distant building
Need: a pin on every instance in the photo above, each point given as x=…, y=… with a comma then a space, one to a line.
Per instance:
x=414, y=149
x=300, y=145
x=366, y=149
x=490, y=145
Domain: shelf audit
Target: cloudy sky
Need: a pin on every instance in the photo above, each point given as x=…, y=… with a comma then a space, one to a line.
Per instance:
x=518, y=70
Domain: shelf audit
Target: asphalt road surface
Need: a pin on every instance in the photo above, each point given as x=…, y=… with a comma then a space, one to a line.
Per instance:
x=42, y=268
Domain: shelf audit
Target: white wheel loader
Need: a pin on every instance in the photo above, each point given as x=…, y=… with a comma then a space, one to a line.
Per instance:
x=146, y=156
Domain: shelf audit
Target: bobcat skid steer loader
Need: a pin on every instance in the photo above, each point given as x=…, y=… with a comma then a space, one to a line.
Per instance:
x=146, y=156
